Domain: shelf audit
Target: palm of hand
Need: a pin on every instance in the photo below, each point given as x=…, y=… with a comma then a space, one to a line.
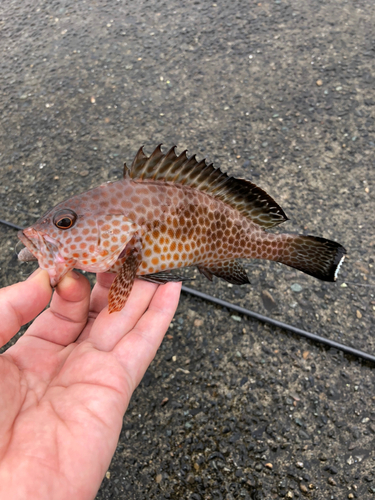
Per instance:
x=64, y=386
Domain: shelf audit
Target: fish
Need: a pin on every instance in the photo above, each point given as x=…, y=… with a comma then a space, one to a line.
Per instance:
x=167, y=212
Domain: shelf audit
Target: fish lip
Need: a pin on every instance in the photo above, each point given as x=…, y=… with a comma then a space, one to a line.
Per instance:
x=29, y=234
x=29, y=244
x=46, y=244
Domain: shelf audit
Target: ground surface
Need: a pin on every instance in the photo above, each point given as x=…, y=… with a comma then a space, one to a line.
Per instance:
x=281, y=92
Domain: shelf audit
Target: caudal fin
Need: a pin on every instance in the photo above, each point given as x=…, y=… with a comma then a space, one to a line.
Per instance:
x=312, y=255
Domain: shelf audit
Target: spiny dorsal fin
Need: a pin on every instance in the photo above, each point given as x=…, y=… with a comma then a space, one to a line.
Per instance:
x=250, y=200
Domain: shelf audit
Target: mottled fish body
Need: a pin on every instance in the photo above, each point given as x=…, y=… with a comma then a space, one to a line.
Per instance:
x=166, y=213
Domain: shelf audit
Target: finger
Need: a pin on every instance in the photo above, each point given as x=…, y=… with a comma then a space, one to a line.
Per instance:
x=138, y=348
x=110, y=328
x=99, y=296
x=20, y=303
x=67, y=315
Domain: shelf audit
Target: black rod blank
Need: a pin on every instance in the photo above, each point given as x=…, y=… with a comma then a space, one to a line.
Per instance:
x=280, y=324
x=10, y=224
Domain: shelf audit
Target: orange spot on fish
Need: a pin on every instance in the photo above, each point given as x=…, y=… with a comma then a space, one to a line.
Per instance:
x=155, y=261
x=148, y=252
x=126, y=204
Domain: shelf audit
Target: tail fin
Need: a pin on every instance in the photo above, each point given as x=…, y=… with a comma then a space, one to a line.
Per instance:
x=312, y=255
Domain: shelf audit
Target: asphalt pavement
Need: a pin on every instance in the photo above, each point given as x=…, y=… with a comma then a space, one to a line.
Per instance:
x=282, y=93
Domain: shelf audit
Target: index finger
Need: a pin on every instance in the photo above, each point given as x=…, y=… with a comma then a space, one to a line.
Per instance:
x=137, y=349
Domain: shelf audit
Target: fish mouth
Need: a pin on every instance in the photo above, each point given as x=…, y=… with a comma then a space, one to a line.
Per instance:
x=29, y=244
x=45, y=250
x=39, y=244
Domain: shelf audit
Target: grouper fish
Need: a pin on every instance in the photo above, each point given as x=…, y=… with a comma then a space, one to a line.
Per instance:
x=171, y=211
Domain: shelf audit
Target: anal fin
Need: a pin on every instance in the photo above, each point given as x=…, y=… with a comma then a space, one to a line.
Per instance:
x=228, y=270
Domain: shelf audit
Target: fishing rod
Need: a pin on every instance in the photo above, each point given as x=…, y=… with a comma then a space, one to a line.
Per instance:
x=260, y=317
x=280, y=324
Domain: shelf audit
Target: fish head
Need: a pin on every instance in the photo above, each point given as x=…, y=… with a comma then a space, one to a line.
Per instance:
x=69, y=236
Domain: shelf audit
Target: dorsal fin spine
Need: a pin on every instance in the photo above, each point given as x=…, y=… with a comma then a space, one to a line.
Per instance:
x=139, y=158
x=222, y=181
x=153, y=160
x=180, y=160
x=180, y=175
x=167, y=162
x=200, y=185
x=126, y=171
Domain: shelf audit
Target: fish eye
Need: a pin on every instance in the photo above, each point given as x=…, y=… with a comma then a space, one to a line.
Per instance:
x=64, y=219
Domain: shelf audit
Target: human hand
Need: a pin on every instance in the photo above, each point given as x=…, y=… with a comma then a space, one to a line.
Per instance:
x=66, y=383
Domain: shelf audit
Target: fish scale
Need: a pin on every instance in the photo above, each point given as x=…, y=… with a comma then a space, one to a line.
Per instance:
x=170, y=212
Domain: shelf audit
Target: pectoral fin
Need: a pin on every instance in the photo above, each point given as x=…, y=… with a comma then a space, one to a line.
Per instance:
x=228, y=270
x=115, y=233
x=123, y=283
